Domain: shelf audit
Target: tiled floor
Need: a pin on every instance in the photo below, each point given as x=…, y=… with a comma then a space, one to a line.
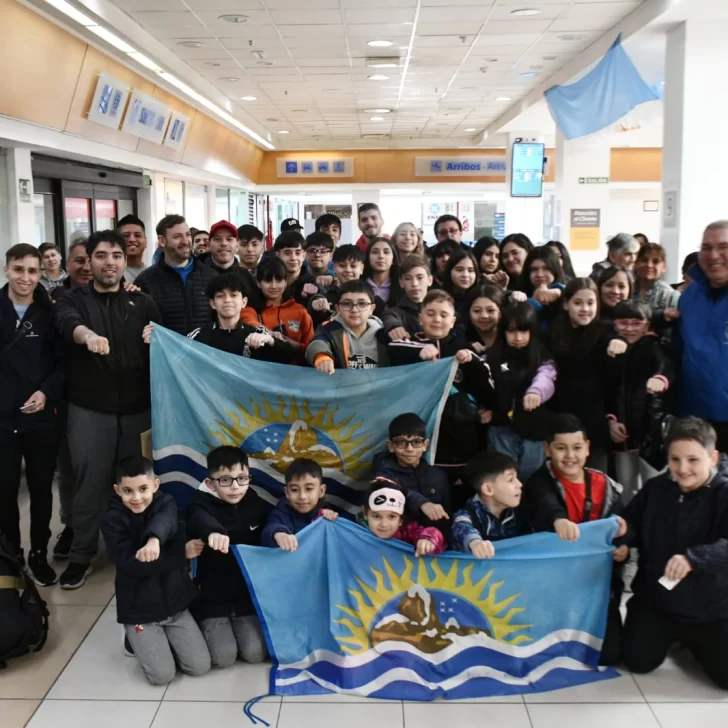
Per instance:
x=82, y=680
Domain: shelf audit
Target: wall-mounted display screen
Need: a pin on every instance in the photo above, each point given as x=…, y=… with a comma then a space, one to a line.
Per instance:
x=527, y=169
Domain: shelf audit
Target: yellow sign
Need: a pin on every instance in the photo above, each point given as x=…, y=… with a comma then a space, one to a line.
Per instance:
x=585, y=227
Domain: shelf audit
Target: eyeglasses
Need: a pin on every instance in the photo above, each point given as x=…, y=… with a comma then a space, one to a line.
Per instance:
x=402, y=443
x=317, y=251
x=226, y=481
x=358, y=305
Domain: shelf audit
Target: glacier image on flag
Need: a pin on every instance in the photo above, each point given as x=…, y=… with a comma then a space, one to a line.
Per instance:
x=203, y=398
x=370, y=619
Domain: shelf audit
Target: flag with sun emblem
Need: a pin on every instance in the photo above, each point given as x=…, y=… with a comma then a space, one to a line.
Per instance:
x=370, y=619
x=203, y=398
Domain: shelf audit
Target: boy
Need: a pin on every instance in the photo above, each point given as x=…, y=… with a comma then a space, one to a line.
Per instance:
x=403, y=320
x=330, y=224
x=229, y=513
x=426, y=487
x=301, y=285
x=304, y=492
x=563, y=493
x=348, y=264
x=153, y=585
x=679, y=523
x=251, y=246
x=319, y=248
x=229, y=333
x=349, y=340
x=490, y=515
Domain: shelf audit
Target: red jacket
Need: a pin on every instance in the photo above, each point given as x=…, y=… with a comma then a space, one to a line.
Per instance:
x=363, y=243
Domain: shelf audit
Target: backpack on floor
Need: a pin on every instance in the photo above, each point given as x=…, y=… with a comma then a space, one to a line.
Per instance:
x=23, y=614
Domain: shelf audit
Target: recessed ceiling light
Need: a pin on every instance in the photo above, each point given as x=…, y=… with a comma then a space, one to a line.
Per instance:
x=191, y=44
x=234, y=18
x=528, y=74
x=384, y=63
x=379, y=43
x=284, y=131
x=491, y=60
x=376, y=118
x=570, y=37
x=229, y=79
x=377, y=111
x=468, y=88
x=213, y=64
x=549, y=58
x=471, y=128
x=378, y=77
x=525, y=12
x=248, y=98
x=503, y=98
x=264, y=63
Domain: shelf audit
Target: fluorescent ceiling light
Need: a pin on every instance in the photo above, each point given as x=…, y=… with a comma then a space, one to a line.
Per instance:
x=569, y=37
x=284, y=131
x=191, y=44
x=72, y=13
x=248, y=98
x=376, y=118
x=378, y=111
x=503, y=98
x=472, y=128
x=111, y=39
x=525, y=12
x=146, y=62
x=379, y=43
x=230, y=79
x=378, y=77
x=528, y=74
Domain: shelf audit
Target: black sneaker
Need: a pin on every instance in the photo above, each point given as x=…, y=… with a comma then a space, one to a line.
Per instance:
x=63, y=547
x=42, y=573
x=128, y=649
x=75, y=575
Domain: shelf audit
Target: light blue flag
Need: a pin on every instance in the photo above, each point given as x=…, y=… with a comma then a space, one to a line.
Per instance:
x=202, y=398
x=609, y=91
x=348, y=612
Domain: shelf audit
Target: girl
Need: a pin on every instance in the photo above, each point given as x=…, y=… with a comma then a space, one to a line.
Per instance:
x=383, y=515
x=484, y=308
x=615, y=286
x=583, y=350
x=649, y=288
x=287, y=320
x=487, y=253
x=381, y=270
x=440, y=255
x=562, y=253
x=460, y=275
x=514, y=250
x=542, y=280
x=524, y=378
x=407, y=240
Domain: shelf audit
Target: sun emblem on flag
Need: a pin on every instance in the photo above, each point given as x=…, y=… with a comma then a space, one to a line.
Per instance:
x=430, y=612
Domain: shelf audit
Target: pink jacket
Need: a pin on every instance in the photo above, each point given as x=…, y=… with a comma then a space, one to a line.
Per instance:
x=412, y=532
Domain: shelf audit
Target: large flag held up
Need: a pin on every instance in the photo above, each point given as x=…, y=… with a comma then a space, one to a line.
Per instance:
x=370, y=619
x=202, y=398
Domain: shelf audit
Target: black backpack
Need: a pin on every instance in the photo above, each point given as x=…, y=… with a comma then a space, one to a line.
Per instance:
x=23, y=614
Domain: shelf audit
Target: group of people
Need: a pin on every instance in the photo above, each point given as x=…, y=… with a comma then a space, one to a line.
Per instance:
x=563, y=411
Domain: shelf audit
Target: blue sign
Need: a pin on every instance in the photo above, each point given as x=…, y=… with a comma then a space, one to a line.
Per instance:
x=307, y=168
x=340, y=167
x=435, y=166
x=323, y=167
x=291, y=167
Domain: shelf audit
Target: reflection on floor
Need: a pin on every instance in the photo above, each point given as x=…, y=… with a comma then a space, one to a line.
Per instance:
x=82, y=680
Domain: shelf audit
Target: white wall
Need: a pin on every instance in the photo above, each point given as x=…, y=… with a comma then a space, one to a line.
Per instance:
x=627, y=211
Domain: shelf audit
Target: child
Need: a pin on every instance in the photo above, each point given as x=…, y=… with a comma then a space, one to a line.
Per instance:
x=583, y=351
x=407, y=239
x=564, y=493
x=348, y=263
x=487, y=253
x=639, y=407
x=490, y=515
x=383, y=515
x=426, y=487
x=679, y=523
x=280, y=315
x=225, y=513
x=319, y=248
x=300, y=506
x=349, y=340
x=229, y=333
x=440, y=254
x=402, y=320
x=460, y=275
x=542, y=281
x=330, y=224
x=485, y=303
x=153, y=585
x=524, y=375
x=300, y=284
x=381, y=270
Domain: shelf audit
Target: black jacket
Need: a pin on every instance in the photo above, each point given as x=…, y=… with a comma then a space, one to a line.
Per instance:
x=220, y=584
x=295, y=290
x=183, y=306
x=233, y=342
x=117, y=383
x=405, y=314
x=34, y=363
x=153, y=591
x=252, y=292
x=663, y=521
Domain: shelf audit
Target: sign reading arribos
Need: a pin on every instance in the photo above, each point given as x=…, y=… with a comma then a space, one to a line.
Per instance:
x=481, y=166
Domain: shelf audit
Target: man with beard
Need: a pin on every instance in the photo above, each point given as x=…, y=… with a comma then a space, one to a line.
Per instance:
x=179, y=281
x=107, y=364
x=370, y=224
x=134, y=232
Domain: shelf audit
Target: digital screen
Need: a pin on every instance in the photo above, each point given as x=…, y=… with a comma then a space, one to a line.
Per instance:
x=527, y=169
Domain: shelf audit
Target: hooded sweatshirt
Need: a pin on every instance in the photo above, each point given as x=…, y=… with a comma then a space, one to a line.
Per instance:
x=336, y=341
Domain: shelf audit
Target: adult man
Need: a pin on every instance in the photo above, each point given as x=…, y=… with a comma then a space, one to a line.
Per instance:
x=702, y=341
x=448, y=227
x=79, y=269
x=31, y=384
x=622, y=250
x=178, y=282
x=370, y=224
x=291, y=225
x=330, y=224
x=224, y=246
x=135, y=234
x=108, y=388
x=251, y=247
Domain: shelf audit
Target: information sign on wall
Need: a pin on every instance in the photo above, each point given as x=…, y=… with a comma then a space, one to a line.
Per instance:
x=477, y=166
x=146, y=117
x=315, y=168
x=109, y=101
x=585, y=228
x=176, y=130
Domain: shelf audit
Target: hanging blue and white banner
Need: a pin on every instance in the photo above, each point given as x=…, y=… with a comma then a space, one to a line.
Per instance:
x=369, y=619
x=202, y=398
x=606, y=94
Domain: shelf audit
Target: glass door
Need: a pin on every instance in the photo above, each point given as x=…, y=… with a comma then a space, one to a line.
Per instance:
x=105, y=214
x=77, y=214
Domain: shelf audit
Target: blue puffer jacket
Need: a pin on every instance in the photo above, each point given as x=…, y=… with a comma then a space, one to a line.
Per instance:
x=701, y=343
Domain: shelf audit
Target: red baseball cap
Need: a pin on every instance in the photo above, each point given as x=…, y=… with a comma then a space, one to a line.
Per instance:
x=223, y=225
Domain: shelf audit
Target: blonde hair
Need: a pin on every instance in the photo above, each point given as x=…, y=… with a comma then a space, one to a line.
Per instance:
x=419, y=248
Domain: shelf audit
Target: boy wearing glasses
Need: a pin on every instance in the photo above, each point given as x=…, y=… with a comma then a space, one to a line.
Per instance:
x=349, y=340
x=226, y=512
x=319, y=248
x=426, y=486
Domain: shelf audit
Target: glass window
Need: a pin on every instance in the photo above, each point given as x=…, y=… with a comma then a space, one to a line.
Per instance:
x=173, y=197
x=45, y=226
x=222, y=204
x=78, y=218
x=239, y=207
x=196, y=205
x=105, y=214
x=124, y=208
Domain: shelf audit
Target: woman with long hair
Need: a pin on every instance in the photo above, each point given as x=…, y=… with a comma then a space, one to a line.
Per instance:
x=408, y=240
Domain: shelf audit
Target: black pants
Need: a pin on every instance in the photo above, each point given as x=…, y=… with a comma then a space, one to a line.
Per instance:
x=649, y=634
x=39, y=449
x=612, y=645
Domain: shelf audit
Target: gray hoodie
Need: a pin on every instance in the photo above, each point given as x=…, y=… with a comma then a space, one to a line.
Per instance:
x=336, y=340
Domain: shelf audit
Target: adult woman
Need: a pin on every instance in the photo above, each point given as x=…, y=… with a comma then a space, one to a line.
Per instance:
x=649, y=287
x=562, y=253
x=381, y=270
x=52, y=276
x=407, y=240
x=615, y=286
x=514, y=249
x=487, y=253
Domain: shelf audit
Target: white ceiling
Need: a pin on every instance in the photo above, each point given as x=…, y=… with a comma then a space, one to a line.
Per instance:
x=456, y=58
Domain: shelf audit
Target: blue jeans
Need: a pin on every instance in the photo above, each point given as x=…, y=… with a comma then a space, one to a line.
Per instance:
x=528, y=454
